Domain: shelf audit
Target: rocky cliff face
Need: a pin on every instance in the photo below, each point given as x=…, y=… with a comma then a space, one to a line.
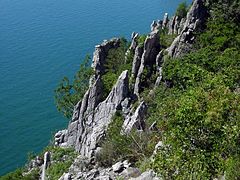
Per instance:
x=195, y=21
x=92, y=114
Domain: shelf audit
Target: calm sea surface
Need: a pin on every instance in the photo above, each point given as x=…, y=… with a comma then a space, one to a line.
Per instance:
x=40, y=42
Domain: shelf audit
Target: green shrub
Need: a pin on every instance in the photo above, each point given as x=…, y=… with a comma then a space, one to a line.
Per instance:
x=116, y=63
x=116, y=146
x=141, y=40
x=62, y=159
x=199, y=116
x=166, y=39
x=182, y=10
x=56, y=170
x=18, y=174
x=67, y=94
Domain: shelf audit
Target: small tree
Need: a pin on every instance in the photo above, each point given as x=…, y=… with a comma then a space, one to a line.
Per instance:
x=181, y=11
x=67, y=94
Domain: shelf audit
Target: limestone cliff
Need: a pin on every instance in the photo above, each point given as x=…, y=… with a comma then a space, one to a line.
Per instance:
x=93, y=114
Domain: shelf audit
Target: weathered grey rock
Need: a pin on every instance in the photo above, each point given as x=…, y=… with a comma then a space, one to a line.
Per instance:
x=89, y=102
x=156, y=25
x=181, y=25
x=151, y=49
x=76, y=111
x=136, y=120
x=171, y=25
x=101, y=52
x=118, y=167
x=130, y=173
x=176, y=25
x=195, y=20
x=35, y=163
x=65, y=176
x=137, y=60
x=133, y=45
x=94, y=124
x=126, y=164
x=148, y=175
x=159, y=63
x=134, y=42
x=60, y=137
x=125, y=104
x=165, y=20
x=158, y=146
x=45, y=165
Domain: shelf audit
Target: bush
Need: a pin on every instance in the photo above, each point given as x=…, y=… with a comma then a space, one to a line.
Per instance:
x=199, y=115
x=182, y=10
x=62, y=159
x=117, y=147
x=56, y=170
x=67, y=94
x=18, y=174
x=141, y=40
x=116, y=63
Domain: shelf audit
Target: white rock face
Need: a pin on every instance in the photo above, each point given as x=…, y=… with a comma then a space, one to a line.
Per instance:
x=45, y=165
x=93, y=125
x=151, y=49
x=195, y=20
x=137, y=119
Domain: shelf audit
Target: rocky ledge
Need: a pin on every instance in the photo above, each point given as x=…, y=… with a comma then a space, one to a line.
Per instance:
x=93, y=114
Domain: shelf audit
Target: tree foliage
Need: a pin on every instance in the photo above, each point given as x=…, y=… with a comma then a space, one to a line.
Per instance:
x=67, y=94
x=182, y=9
x=200, y=115
x=116, y=62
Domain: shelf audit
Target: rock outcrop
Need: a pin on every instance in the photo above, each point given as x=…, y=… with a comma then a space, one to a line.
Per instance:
x=92, y=111
x=94, y=125
x=93, y=114
x=165, y=20
x=195, y=21
x=136, y=120
x=90, y=122
x=101, y=52
x=45, y=165
x=151, y=49
x=137, y=60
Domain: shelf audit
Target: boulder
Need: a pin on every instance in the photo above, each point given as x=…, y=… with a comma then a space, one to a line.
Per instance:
x=118, y=167
x=130, y=173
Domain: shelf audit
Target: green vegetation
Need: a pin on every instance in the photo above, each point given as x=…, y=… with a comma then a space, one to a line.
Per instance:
x=115, y=65
x=165, y=38
x=67, y=94
x=18, y=174
x=61, y=158
x=197, y=116
x=182, y=10
x=116, y=146
x=141, y=40
x=200, y=115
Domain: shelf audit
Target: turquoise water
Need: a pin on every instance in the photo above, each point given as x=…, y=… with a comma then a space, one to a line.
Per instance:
x=42, y=41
